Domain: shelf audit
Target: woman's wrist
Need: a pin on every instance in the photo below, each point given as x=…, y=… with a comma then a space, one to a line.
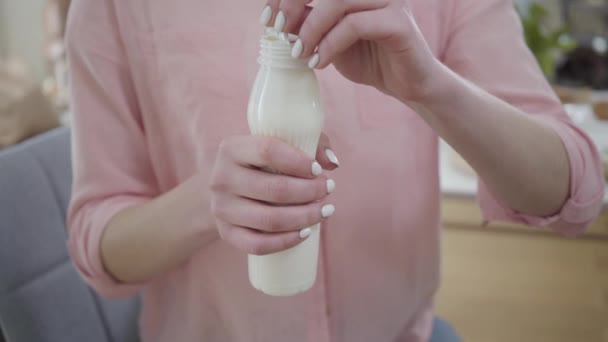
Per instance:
x=443, y=88
x=147, y=240
x=187, y=207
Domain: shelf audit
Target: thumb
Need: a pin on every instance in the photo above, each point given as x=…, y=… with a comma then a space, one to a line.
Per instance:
x=325, y=155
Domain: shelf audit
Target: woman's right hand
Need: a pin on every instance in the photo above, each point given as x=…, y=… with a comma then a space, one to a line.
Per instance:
x=261, y=212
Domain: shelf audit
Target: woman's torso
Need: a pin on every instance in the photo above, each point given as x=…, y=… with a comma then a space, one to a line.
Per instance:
x=193, y=64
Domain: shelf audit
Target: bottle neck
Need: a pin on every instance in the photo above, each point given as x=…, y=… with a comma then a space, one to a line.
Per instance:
x=275, y=51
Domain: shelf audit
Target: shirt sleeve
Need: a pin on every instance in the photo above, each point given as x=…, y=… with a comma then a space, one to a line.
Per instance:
x=110, y=160
x=486, y=46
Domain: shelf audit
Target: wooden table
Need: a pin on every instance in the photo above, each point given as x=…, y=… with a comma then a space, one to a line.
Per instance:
x=515, y=283
x=463, y=212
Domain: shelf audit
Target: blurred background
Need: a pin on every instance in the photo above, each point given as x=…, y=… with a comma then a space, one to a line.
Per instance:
x=500, y=282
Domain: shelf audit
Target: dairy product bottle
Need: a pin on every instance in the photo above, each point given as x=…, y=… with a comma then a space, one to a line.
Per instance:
x=285, y=104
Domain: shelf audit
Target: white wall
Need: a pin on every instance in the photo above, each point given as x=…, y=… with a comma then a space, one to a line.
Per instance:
x=3, y=42
x=21, y=32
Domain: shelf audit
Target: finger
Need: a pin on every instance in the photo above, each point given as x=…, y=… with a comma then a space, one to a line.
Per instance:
x=258, y=243
x=325, y=155
x=269, y=12
x=270, y=153
x=257, y=215
x=324, y=17
x=278, y=189
x=291, y=15
x=320, y=20
x=358, y=26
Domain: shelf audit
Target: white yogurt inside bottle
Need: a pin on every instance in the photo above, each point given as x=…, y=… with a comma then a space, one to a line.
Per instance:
x=285, y=104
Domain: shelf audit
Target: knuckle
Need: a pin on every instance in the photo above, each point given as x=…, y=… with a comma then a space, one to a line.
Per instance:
x=288, y=9
x=290, y=219
x=265, y=149
x=305, y=30
x=223, y=230
x=218, y=183
x=224, y=147
x=278, y=190
x=311, y=191
x=327, y=45
x=268, y=222
x=281, y=220
x=313, y=214
x=351, y=24
x=216, y=208
x=219, y=208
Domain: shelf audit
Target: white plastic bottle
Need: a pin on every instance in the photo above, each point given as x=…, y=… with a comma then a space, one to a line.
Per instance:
x=285, y=104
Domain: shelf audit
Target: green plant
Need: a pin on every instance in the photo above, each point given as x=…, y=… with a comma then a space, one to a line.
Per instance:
x=545, y=45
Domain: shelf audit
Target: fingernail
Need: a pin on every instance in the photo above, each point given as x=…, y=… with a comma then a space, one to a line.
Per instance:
x=332, y=157
x=266, y=15
x=331, y=186
x=304, y=233
x=279, y=22
x=327, y=210
x=316, y=169
x=314, y=60
x=297, y=49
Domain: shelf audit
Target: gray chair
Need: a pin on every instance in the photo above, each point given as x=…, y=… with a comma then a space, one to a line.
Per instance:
x=42, y=298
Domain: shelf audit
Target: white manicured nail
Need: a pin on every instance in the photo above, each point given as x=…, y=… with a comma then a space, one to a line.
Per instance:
x=314, y=60
x=331, y=186
x=316, y=169
x=266, y=15
x=327, y=210
x=304, y=233
x=297, y=49
x=279, y=22
x=332, y=157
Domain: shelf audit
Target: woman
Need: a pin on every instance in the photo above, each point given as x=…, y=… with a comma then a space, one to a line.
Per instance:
x=169, y=197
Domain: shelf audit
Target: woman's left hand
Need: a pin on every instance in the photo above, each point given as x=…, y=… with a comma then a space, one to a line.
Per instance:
x=372, y=42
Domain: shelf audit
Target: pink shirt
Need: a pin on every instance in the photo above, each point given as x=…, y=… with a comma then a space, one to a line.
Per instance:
x=158, y=84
